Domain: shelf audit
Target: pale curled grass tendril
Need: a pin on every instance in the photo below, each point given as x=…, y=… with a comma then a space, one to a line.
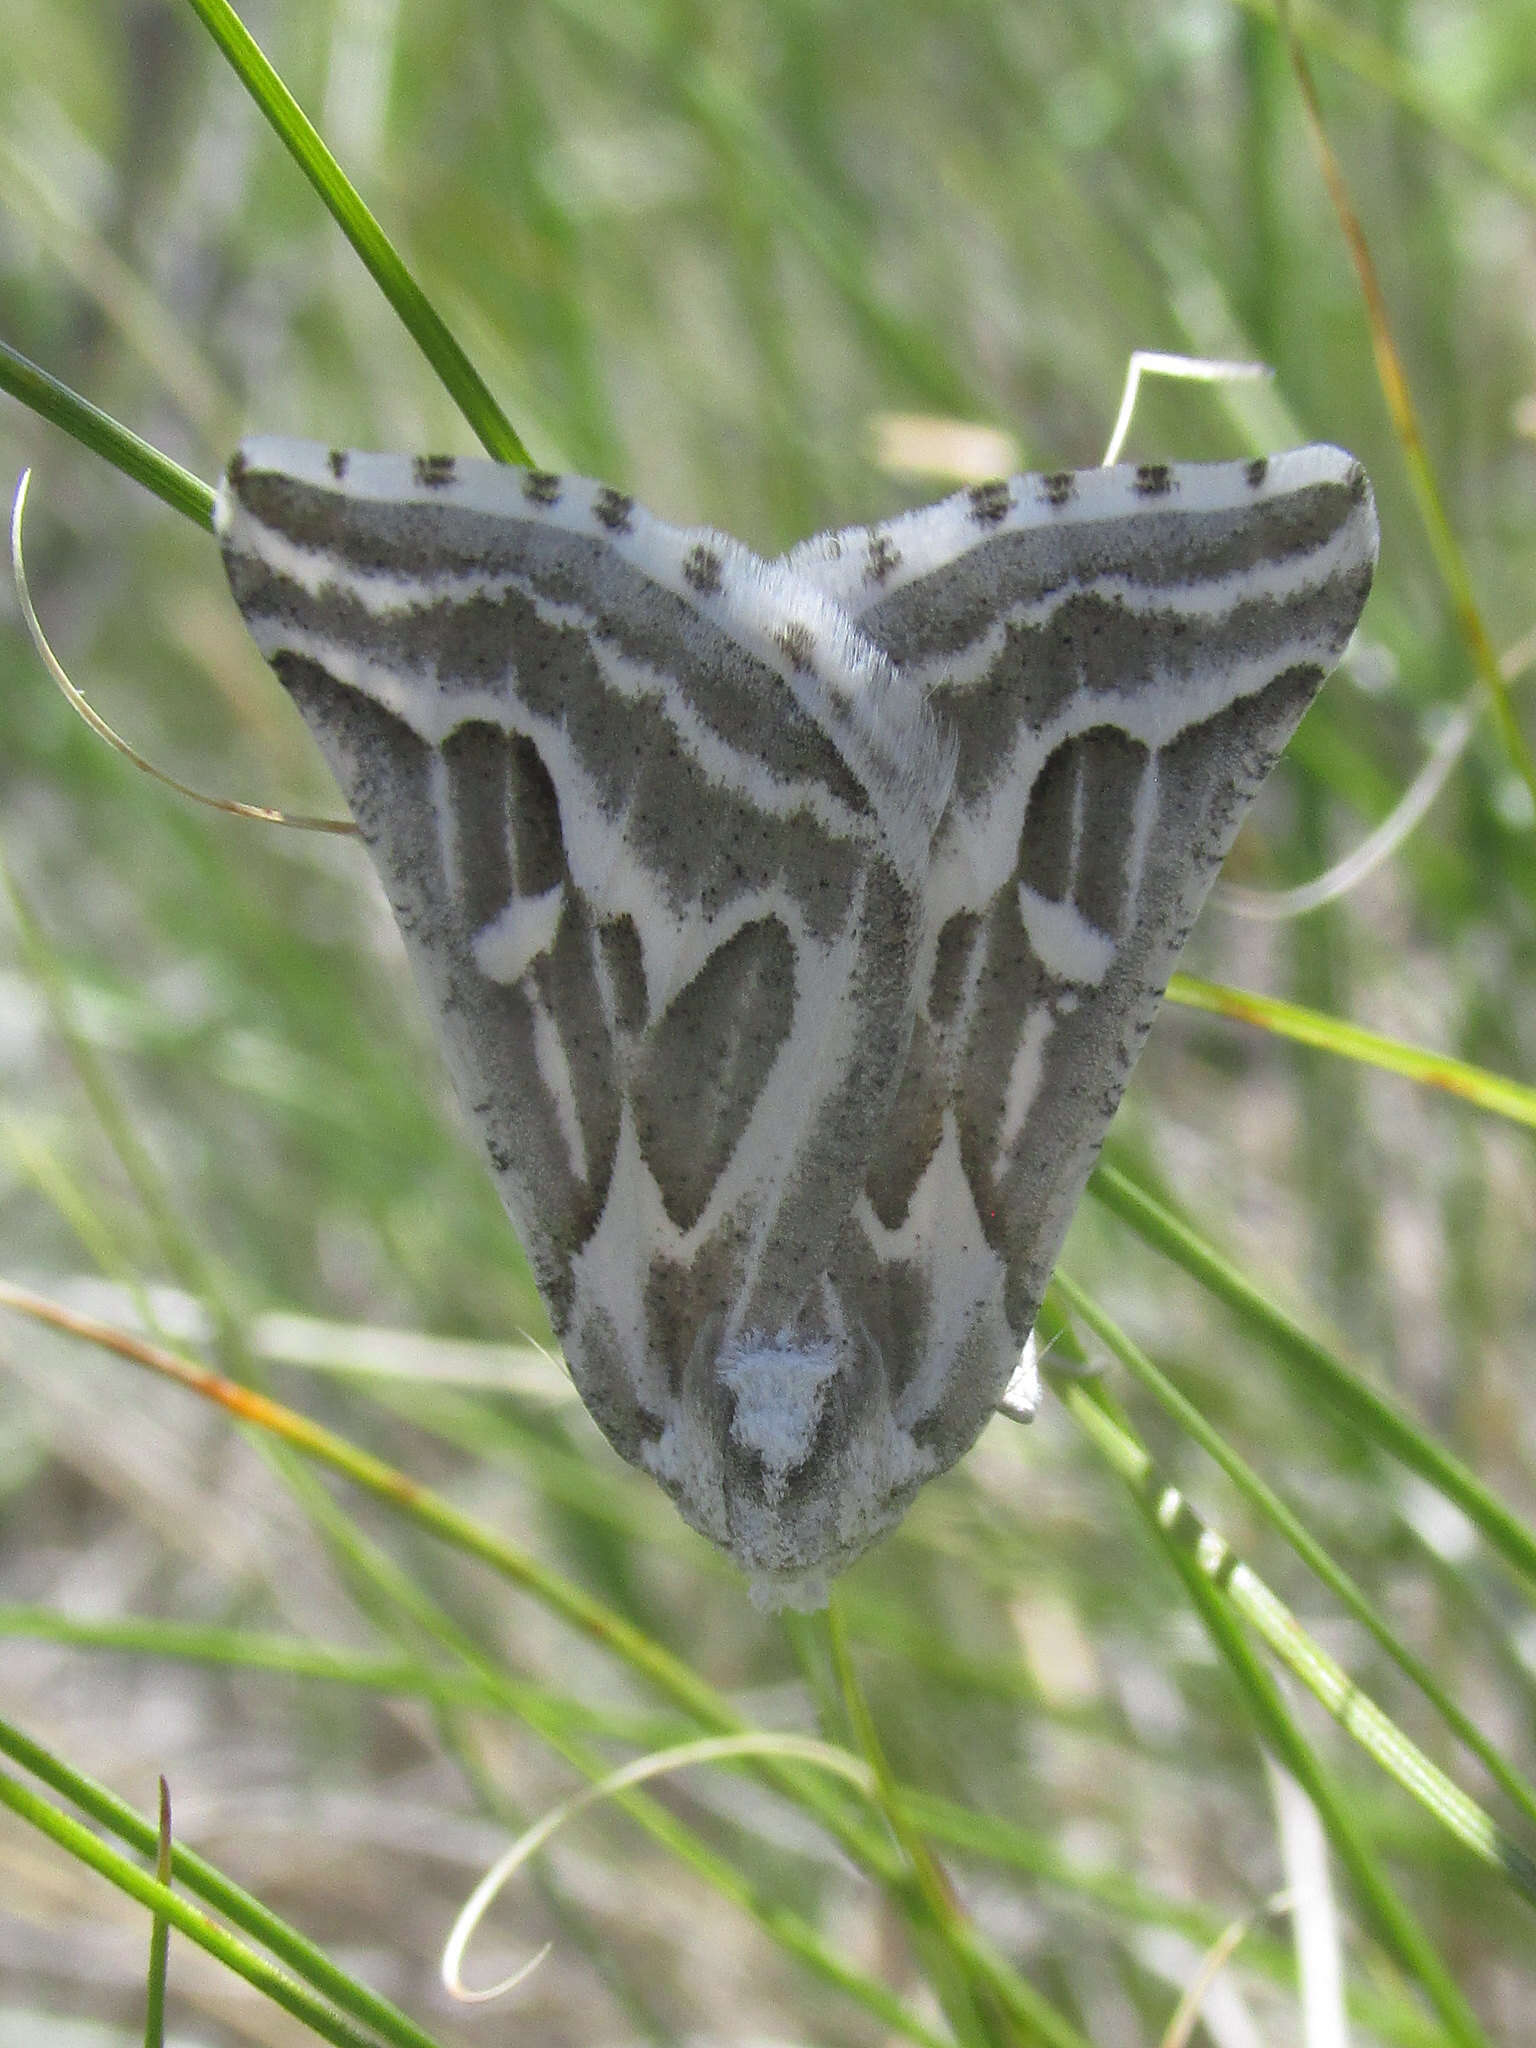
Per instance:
x=1275, y=906
x=562, y=1596
x=711, y=1749
x=1151, y=362
x=78, y=703
x=1411, y=808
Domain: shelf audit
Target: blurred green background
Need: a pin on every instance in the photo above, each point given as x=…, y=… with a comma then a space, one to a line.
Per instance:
x=724, y=257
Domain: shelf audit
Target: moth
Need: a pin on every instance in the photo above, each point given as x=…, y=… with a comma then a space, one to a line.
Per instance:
x=791, y=927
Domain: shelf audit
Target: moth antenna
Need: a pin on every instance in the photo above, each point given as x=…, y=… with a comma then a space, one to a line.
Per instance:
x=1150, y=362
x=1043, y=1351
x=83, y=709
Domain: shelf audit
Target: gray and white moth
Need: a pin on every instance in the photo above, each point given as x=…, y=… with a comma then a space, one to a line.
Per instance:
x=792, y=926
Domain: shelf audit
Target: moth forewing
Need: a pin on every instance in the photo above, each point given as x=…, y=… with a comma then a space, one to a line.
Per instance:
x=791, y=927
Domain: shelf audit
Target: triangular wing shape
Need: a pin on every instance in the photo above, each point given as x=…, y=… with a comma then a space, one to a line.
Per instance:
x=1120, y=655
x=653, y=818
x=792, y=927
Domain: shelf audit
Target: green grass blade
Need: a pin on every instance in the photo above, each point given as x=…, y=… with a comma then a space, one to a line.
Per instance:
x=1278, y=1627
x=600, y=1624
x=977, y=1835
x=386, y=1483
x=1269, y=1504
x=1322, y=1370
x=1355, y=49
x=160, y=1933
x=983, y=2000
x=1209, y=1574
x=558, y=1721
x=420, y=318
x=235, y=1954
x=1398, y=394
x=1496, y=1092
x=373, y=1575
x=209, y=1884
x=105, y=436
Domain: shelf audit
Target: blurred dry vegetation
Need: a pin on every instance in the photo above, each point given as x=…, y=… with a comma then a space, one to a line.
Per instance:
x=711, y=254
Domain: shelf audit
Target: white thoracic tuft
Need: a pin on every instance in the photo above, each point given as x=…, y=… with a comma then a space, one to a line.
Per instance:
x=780, y=1390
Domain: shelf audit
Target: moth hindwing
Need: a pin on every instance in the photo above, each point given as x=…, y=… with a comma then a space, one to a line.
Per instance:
x=791, y=927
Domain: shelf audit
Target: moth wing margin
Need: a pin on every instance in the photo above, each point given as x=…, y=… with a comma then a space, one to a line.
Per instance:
x=1121, y=656
x=650, y=815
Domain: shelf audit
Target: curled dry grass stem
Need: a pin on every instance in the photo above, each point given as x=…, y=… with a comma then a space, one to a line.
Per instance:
x=1275, y=906
x=385, y=1481
x=1406, y=815
x=136, y=458
x=306, y=1961
x=709, y=1749
x=1443, y=1074
x=83, y=709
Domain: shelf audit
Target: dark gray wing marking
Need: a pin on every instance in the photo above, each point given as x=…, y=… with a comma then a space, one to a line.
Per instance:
x=793, y=927
x=652, y=817
x=1118, y=677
